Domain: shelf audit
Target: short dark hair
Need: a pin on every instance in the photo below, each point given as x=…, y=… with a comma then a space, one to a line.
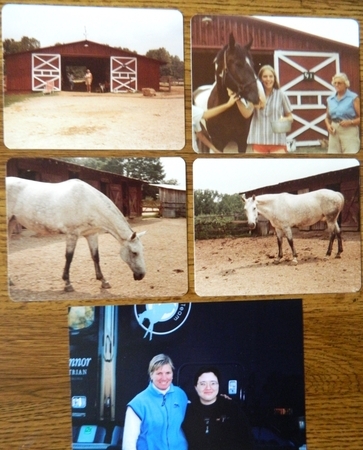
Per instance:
x=206, y=369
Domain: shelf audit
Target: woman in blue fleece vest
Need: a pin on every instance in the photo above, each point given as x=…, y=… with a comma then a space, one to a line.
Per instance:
x=154, y=417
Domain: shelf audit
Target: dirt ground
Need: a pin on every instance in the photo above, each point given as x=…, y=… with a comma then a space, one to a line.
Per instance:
x=36, y=264
x=245, y=266
x=77, y=120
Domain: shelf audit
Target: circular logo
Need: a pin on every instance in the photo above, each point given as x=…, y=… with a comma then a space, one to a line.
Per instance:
x=161, y=318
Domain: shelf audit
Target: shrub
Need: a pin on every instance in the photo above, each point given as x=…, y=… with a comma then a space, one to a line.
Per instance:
x=213, y=226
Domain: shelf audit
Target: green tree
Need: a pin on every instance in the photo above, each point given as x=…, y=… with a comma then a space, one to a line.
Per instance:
x=174, y=67
x=25, y=44
x=146, y=169
x=177, y=68
x=230, y=204
x=205, y=202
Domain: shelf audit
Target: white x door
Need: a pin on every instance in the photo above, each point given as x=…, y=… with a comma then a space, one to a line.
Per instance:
x=123, y=74
x=46, y=72
x=305, y=77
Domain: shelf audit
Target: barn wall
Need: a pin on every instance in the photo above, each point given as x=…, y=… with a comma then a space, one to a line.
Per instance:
x=148, y=74
x=173, y=202
x=18, y=73
x=126, y=193
x=18, y=66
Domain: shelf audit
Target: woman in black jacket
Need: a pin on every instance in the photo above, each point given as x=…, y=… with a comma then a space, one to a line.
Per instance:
x=215, y=422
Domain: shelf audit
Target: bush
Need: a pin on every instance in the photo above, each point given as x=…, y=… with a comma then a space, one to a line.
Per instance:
x=212, y=227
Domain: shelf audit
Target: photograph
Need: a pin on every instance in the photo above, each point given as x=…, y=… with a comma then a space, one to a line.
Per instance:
x=269, y=84
x=131, y=213
x=112, y=79
x=175, y=373
x=276, y=226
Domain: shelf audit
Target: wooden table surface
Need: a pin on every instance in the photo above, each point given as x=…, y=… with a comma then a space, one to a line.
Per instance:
x=34, y=380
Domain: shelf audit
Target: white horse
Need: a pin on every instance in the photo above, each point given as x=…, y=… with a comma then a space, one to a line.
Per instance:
x=73, y=208
x=287, y=210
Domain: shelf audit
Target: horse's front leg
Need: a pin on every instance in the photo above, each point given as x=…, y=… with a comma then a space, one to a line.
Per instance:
x=93, y=246
x=340, y=244
x=280, y=237
x=71, y=242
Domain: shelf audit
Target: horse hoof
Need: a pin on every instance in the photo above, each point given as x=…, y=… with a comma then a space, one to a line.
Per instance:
x=294, y=262
x=105, y=285
x=68, y=288
x=337, y=256
x=276, y=261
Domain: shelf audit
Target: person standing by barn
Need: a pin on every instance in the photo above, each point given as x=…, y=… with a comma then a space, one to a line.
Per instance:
x=88, y=79
x=276, y=108
x=343, y=117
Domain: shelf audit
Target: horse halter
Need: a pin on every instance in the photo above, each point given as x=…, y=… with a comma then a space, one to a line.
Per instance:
x=226, y=72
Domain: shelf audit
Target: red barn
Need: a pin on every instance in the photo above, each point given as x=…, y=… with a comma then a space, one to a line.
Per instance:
x=304, y=64
x=123, y=70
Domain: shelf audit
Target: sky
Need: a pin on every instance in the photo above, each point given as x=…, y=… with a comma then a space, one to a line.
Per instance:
x=138, y=29
x=340, y=30
x=232, y=175
x=175, y=168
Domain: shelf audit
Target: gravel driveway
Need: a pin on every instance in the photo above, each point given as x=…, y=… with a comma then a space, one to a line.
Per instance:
x=67, y=120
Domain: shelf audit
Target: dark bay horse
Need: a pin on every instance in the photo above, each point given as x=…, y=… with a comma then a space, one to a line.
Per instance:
x=233, y=70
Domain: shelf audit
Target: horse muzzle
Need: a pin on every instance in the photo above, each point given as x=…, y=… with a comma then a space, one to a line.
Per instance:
x=252, y=225
x=139, y=276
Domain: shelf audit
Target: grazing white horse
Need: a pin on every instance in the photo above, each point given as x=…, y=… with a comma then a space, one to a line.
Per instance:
x=287, y=210
x=73, y=208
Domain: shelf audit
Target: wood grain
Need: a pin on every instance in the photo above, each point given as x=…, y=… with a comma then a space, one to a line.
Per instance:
x=34, y=380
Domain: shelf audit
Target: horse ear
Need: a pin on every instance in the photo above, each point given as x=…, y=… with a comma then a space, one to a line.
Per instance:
x=243, y=197
x=232, y=41
x=249, y=45
x=136, y=235
x=253, y=197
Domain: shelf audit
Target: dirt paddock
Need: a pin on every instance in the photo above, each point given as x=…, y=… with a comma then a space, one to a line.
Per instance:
x=245, y=266
x=77, y=120
x=36, y=264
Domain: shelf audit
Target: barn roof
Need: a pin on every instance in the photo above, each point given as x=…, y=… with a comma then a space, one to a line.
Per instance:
x=85, y=48
x=76, y=165
x=266, y=35
x=351, y=173
x=171, y=187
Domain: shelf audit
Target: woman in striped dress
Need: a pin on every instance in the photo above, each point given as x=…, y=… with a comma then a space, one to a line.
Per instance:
x=276, y=107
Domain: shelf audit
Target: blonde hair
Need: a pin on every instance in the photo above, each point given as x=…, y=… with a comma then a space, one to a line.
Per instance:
x=158, y=361
x=276, y=84
x=343, y=77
